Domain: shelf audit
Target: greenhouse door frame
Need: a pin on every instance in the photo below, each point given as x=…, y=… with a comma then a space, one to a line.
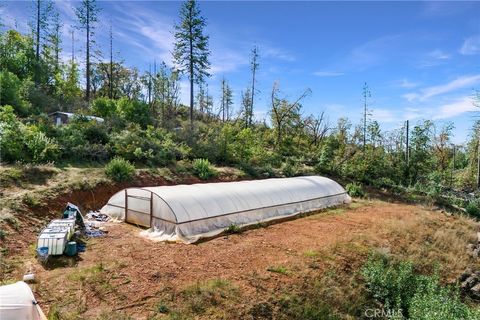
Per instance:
x=149, y=199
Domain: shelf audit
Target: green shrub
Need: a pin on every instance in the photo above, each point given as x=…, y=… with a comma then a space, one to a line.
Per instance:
x=473, y=209
x=31, y=199
x=119, y=169
x=103, y=107
x=203, y=169
x=232, y=229
x=401, y=290
x=134, y=111
x=153, y=146
x=11, y=93
x=355, y=190
x=41, y=148
x=290, y=169
x=162, y=308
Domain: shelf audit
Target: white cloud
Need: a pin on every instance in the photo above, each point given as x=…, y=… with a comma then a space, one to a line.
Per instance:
x=405, y=83
x=373, y=52
x=433, y=58
x=384, y=115
x=456, y=108
x=458, y=83
x=471, y=46
x=148, y=32
x=438, y=54
x=433, y=91
x=411, y=96
x=276, y=53
x=225, y=60
x=328, y=73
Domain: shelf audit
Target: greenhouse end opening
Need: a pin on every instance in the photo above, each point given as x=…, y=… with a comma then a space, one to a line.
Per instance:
x=186, y=213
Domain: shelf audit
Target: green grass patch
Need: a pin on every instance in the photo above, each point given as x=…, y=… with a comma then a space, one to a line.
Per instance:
x=31, y=199
x=208, y=297
x=311, y=253
x=278, y=269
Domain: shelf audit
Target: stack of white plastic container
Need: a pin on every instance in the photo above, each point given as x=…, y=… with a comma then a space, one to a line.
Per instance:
x=56, y=235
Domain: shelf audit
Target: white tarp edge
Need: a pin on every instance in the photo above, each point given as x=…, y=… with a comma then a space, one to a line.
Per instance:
x=17, y=302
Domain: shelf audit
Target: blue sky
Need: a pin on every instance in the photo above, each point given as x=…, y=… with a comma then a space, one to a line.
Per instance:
x=420, y=59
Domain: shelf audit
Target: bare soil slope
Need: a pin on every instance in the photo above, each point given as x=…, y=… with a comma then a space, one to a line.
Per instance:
x=124, y=272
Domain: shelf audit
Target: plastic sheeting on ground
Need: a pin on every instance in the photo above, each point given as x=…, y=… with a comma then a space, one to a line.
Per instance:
x=189, y=212
x=17, y=302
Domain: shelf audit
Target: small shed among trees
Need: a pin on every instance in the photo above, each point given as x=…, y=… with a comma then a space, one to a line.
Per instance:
x=60, y=117
x=187, y=213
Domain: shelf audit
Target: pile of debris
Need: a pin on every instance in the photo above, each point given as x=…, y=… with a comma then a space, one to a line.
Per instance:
x=474, y=248
x=94, y=224
x=470, y=278
x=470, y=283
x=97, y=216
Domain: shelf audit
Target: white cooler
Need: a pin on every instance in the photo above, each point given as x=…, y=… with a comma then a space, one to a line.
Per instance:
x=55, y=241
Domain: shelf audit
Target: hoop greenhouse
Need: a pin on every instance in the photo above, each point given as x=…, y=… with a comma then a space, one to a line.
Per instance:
x=187, y=213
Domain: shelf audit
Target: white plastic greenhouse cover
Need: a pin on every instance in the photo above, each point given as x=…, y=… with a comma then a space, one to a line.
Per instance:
x=17, y=302
x=189, y=212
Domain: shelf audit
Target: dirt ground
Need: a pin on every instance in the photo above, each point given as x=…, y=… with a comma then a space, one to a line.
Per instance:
x=134, y=271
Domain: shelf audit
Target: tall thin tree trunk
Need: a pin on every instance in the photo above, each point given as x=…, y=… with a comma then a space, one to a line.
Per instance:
x=191, y=80
x=478, y=163
x=87, y=94
x=37, y=54
x=110, y=91
x=250, y=111
x=73, y=47
x=365, y=122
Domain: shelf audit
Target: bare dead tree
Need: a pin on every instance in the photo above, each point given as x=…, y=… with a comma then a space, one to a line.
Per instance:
x=283, y=111
x=317, y=128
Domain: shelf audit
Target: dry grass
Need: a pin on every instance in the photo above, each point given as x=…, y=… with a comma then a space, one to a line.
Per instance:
x=431, y=239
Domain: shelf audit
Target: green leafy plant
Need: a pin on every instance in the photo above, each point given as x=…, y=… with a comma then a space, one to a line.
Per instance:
x=232, y=229
x=403, y=291
x=355, y=190
x=473, y=209
x=203, y=169
x=31, y=199
x=119, y=169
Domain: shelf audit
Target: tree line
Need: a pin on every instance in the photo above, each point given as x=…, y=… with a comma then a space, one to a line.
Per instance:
x=146, y=123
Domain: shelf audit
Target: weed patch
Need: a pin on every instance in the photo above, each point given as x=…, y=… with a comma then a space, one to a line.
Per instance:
x=278, y=269
x=233, y=229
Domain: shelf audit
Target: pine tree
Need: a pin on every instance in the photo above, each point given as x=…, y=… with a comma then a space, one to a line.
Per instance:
x=366, y=94
x=253, y=66
x=226, y=101
x=87, y=14
x=43, y=11
x=246, y=108
x=191, y=47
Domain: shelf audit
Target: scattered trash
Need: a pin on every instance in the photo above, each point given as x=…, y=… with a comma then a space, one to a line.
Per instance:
x=97, y=216
x=94, y=233
x=81, y=247
x=94, y=224
x=29, y=277
x=42, y=254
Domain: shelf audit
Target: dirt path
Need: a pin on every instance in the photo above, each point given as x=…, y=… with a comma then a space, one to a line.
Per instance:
x=139, y=269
